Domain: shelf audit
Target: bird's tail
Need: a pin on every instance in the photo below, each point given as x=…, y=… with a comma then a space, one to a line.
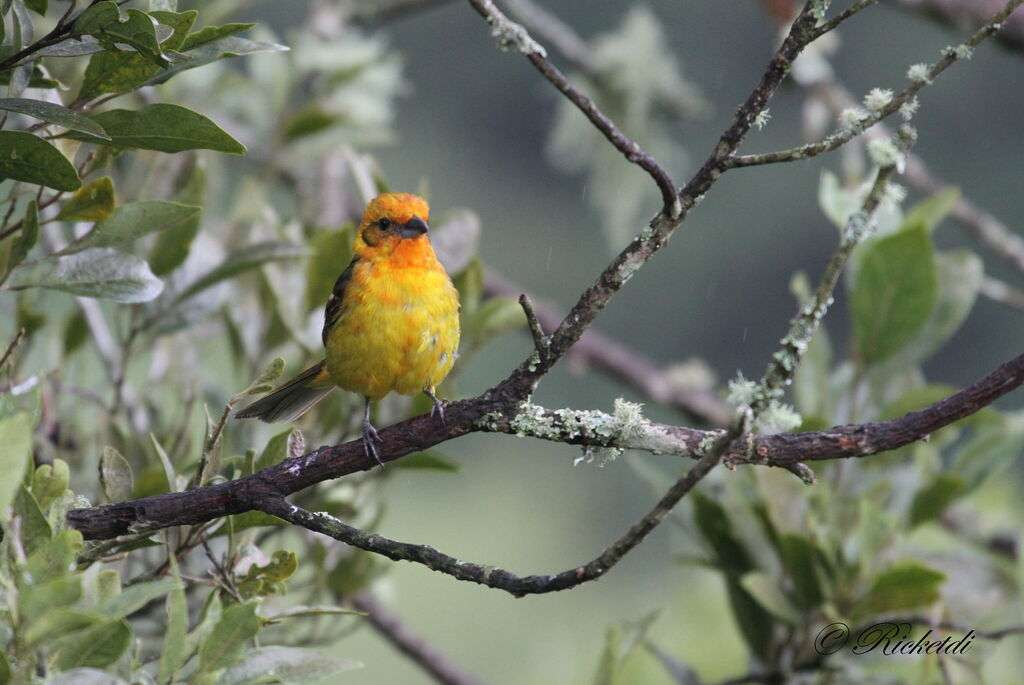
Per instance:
x=293, y=399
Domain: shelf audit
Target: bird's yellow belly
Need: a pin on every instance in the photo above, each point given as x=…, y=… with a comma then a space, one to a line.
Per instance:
x=397, y=334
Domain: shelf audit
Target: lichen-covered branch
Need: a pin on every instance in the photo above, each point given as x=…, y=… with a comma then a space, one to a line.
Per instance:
x=802, y=327
x=921, y=75
x=623, y=363
x=492, y=576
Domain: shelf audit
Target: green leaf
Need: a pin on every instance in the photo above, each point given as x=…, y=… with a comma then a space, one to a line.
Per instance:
x=755, y=623
x=35, y=529
x=27, y=238
x=251, y=519
x=173, y=655
x=92, y=202
x=165, y=464
x=171, y=248
x=120, y=71
x=35, y=600
x=930, y=211
x=905, y=585
x=101, y=272
x=116, y=476
x=894, y=293
x=16, y=438
x=212, y=50
x=311, y=119
x=54, y=559
x=800, y=556
x=29, y=158
x=332, y=251
x=223, y=646
x=715, y=526
x=135, y=597
x=54, y=114
x=50, y=481
x=163, y=127
x=275, y=450
x=95, y=647
x=932, y=499
x=243, y=260
x=37, y=6
x=108, y=584
x=427, y=460
x=470, y=284
x=959, y=274
x=208, y=34
x=495, y=316
x=132, y=221
x=766, y=591
x=58, y=622
x=103, y=20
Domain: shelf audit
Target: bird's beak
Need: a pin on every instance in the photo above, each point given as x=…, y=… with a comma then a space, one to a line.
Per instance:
x=413, y=227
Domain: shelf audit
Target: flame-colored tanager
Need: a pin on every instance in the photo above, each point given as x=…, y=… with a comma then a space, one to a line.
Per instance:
x=391, y=322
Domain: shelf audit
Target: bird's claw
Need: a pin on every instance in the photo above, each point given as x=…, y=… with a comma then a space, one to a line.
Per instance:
x=438, y=409
x=370, y=436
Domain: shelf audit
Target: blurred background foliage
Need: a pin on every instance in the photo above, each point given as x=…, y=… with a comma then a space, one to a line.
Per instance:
x=160, y=288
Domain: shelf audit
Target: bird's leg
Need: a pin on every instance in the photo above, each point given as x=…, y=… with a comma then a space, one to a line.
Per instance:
x=370, y=434
x=438, y=407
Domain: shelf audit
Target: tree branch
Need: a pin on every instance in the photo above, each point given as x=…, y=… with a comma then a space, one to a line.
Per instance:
x=413, y=646
x=622, y=363
x=500, y=579
x=840, y=138
x=496, y=411
x=966, y=14
x=512, y=36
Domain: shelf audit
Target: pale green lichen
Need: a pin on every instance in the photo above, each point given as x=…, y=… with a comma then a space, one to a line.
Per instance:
x=777, y=418
x=512, y=37
x=762, y=118
x=919, y=73
x=909, y=108
x=742, y=391
x=884, y=152
x=877, y=99
x=961, y=51
x=852, y=118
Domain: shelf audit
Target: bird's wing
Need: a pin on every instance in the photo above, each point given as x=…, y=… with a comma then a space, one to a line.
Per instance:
x=336, y=302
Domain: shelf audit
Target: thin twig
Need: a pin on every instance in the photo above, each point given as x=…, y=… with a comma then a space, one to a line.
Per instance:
x=511, y=35
x=540, y=341
x=10, y=348
x=623, y=363
x=414, y=646
x=835, y=21
x=497, y=578
x=839, y=138
x=1001, y=292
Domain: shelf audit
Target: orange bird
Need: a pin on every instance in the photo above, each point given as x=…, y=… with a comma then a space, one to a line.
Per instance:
x=391, y=323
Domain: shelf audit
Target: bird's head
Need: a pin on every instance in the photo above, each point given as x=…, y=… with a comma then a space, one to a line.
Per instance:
x=393, y=221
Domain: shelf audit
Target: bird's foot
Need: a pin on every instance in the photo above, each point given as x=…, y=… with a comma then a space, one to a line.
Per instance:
x=438, y=407
x=370, y=437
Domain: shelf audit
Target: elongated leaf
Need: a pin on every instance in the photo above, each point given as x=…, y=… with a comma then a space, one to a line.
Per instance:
x=116, y=475
x=50, y=481
x=220, y=48
x=92, y=202
x=932, y=210
x=172, y=246
x=35, y=529
x=29, y=158
x=895, y=292
x=932, y=499
x=905, y=585
x=58, y=622
x=165, y=128
x=120, y=71
x=332, y=251
x=132, y=221
x=96, y=647
x=135, y=597
x=290, y=664
x=100, y=272
x=765, y=590
x=222, y=647
x=103, y=20
x=801, y=558
x=173, y=656
x=240, y=261
x=16, y=438
x=27, y=238
x=54, y=114
x=715, y=525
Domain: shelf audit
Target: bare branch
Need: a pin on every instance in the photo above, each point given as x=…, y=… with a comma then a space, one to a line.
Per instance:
x=540, y=341
x=511, y=35
x=497, y=578
x=11, y=347
x=623, y=363
x=842, y=137
x=1000, y=292
x=413, y=646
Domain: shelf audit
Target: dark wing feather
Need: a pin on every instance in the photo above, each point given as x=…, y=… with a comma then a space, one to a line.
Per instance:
x=336, y=302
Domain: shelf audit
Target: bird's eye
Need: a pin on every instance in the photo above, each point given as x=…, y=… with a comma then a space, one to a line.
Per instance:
x=384, y=224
